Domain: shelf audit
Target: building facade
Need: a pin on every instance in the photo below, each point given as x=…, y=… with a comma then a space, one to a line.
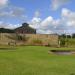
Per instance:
x=25, y=29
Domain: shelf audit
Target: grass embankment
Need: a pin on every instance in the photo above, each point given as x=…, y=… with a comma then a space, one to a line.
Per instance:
x=35, y=60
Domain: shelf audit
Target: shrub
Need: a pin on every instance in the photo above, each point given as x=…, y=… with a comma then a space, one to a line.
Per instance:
x=37, y=41
x=21, y=37
x=62, y=42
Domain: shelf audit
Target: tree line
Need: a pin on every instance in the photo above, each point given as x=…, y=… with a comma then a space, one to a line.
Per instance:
x=68, y=36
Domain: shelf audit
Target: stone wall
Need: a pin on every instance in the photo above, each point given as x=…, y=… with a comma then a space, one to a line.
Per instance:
x=30, y=39
x=46, y=39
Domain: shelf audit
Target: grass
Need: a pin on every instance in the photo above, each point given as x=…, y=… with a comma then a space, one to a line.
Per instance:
x=35, y=60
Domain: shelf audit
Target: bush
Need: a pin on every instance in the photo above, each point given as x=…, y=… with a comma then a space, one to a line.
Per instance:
x=21, y=37
x=37, y=41
x=62, y=42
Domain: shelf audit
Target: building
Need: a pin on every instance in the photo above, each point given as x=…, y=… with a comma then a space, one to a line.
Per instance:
x=25, y=29
x=27, y=36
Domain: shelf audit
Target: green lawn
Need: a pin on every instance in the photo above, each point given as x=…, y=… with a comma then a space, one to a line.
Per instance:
x=35, y=60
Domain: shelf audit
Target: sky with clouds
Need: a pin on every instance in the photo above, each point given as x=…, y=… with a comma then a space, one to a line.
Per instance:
x=46, y=16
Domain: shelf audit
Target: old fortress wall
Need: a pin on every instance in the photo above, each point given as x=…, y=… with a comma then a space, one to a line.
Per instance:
x=28, y=39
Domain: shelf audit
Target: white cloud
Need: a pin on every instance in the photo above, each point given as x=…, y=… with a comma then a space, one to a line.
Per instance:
x=12, y=26
x=55, y=4
x=45, y=26
x=41, y=31
x=49, y=23
x=35, y=23
x=17, y=11
x=61, y=25
x=68, y=16
x=3, y=3
x=10, y=13
x=37, y=14
x=8, y=25
x=14, y=12
x=71, y=23
x=2, y=25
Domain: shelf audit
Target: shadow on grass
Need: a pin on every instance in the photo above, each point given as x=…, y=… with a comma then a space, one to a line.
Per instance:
x=8, y=49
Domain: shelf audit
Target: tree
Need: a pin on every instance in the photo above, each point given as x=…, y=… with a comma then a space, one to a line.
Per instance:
x=73, y=35
x=63, y=35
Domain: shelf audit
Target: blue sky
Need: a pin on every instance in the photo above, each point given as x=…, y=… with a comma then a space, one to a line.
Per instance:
x=43, y=6
x=47, y=16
